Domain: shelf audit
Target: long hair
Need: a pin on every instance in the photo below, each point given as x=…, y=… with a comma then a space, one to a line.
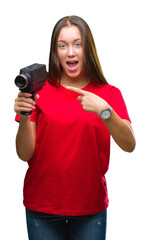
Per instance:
x=92, y=65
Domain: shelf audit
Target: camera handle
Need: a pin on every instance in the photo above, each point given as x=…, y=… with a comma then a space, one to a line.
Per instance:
x=29, y=113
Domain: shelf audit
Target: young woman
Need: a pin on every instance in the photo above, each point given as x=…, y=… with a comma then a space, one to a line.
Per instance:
x=66, y=139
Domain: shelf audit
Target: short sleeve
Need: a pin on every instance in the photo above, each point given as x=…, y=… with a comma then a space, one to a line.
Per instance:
x=118, y=104
x=34, y=115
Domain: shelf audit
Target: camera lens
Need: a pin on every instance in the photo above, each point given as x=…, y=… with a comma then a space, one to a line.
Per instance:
x=21, y=81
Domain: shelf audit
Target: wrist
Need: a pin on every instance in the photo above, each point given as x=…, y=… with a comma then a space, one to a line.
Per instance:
x=105, y=113
x=23, y=118
x=102, y=108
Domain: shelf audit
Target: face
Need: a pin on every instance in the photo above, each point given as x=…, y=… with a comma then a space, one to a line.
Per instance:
x=70, y=52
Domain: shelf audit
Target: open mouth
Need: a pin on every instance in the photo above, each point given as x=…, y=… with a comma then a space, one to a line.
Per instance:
x=72, y=64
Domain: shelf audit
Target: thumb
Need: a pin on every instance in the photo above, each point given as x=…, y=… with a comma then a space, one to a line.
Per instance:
x=36, y=97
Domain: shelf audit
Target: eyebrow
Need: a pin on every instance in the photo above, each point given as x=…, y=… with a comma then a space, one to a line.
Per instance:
x=78, y=39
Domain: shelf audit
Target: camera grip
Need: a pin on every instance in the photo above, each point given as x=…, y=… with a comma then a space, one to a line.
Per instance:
x=28, y=113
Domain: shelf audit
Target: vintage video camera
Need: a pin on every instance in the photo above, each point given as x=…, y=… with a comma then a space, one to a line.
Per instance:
x=31, y=79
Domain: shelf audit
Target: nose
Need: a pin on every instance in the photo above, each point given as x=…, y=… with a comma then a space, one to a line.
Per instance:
x=71, y=52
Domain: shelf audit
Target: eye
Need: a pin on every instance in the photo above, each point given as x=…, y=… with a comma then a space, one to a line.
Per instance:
x=78, y=44
x=61, y=46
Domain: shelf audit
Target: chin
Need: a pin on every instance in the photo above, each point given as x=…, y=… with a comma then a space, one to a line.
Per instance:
x=75, y=75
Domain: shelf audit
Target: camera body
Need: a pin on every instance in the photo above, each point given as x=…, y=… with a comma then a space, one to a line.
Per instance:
x=31, y=79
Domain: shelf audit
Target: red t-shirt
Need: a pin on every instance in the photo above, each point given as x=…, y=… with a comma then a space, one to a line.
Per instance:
x=66, y=175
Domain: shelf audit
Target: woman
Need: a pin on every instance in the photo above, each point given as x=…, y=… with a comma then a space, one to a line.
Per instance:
x=66, y=140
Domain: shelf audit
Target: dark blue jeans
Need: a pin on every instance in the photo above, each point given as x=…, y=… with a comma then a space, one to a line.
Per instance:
x=42, y=226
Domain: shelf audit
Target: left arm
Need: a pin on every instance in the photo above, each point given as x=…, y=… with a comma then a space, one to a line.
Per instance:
x=120, y=129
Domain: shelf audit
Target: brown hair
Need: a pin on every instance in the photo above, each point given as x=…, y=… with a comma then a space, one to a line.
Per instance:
x=92, y=65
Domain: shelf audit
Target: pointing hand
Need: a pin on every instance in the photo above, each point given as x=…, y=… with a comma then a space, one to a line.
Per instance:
x=90, y=101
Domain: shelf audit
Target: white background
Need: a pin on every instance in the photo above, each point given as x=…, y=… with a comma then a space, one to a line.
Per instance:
x=121, y=33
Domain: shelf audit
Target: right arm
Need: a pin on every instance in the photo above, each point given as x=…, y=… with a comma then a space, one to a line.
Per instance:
x=26, y=135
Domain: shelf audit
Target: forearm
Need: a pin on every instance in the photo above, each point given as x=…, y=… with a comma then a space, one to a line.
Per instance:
x=25, y=139
x=121, y=132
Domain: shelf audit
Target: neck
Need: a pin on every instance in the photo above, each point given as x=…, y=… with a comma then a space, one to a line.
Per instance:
x=79, y=82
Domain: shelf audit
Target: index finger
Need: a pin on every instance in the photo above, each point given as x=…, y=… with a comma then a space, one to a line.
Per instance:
x=77, y=90
x=24, y=94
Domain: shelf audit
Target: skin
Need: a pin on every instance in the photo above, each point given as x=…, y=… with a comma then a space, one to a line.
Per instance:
x=26, y=135
x=70, y=53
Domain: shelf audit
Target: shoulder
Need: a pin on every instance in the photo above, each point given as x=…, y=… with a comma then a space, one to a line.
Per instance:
x=102, y=86
x=105, y=89
x=47, y=87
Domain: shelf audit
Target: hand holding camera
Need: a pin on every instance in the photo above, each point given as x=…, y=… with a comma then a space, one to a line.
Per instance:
x=24, y=103
x=30, y=80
